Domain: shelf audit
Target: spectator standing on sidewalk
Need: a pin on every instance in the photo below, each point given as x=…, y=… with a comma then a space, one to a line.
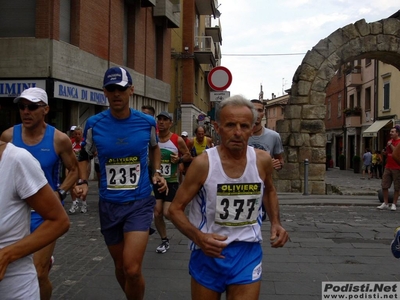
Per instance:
x=378, y=164
x=392, y=171
x=226, y=185
x=367, y=163
x=123, y=138
x=49, y=146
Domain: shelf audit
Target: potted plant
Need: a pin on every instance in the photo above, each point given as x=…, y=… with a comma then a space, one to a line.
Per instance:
x=356, y=163
x=342, y=162
x=352, y=111
x=357, y=111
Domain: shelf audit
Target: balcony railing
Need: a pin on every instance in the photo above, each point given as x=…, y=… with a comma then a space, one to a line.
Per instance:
x=353, y=116
x=204, y=50
x=144, y=3
x=214, y=31
x=353, y=121
x=168, y=10
x=206, y=7
x=353, y=78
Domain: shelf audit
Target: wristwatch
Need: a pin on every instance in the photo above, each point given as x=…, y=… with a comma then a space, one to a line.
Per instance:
x=82, y=181
x=157, y=171
x=62, y=193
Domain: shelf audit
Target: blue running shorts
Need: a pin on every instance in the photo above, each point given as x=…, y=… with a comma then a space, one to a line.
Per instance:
x=242, y=265
x=36, y=220
x=118, y=218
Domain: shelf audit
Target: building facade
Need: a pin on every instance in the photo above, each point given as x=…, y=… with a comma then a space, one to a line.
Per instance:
x=361, y=108
x=334, y=120
x=195, y=51
x=65, y=46
x=274, y=110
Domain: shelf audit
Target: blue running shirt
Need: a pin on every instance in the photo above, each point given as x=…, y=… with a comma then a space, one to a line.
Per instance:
x=44, y=152
x=122, y=147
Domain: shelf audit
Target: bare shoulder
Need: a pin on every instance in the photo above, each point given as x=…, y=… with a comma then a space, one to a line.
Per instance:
x=264, y=162
x=62, y=141
x=199, y=166
x=7, y=135
x=180, y=140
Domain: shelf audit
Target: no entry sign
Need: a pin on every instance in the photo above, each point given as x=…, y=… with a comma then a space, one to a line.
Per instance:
x=219, y=78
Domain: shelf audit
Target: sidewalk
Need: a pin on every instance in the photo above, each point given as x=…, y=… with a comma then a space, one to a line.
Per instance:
x=346, y=182
x=344, y=187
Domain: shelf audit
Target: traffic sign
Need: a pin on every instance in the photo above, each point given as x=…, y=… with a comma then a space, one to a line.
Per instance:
x=219, y=78
x=219, y=96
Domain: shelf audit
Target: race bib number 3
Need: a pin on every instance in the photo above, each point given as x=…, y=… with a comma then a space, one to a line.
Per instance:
x=237, y=204
x=123, y=173
x=166, y=170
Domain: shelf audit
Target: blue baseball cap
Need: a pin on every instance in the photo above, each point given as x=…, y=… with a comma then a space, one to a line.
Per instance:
x=118, y=76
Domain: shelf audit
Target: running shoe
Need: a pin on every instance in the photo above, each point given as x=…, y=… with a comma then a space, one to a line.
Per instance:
x=74, y=207
x=383, y=206
x=164, y=246
x=84, y=208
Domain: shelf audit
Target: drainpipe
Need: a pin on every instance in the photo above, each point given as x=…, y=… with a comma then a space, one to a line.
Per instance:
x=376, y=63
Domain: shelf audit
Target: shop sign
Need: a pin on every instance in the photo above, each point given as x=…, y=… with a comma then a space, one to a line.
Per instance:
x=13, y=88
x=78, y=93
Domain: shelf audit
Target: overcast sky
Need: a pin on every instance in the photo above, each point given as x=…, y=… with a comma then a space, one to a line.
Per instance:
x=278, y=27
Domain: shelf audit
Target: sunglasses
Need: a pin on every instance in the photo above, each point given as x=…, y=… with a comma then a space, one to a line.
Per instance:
x=31, y=106
x=113, y=87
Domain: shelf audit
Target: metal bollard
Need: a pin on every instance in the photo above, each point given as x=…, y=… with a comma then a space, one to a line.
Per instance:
x=305, y=177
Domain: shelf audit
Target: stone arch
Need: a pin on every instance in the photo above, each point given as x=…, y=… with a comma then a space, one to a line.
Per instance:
x=303, y=129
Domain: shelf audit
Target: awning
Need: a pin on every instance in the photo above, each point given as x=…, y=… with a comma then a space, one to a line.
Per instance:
x=372, y=131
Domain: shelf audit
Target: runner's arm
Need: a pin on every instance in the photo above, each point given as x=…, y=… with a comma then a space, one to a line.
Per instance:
x=211, y=244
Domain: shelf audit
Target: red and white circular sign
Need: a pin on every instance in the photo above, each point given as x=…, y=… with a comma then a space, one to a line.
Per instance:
x=219, y=78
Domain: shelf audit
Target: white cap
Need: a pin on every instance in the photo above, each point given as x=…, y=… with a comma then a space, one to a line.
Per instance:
x=184, y=133
x=34, y=95
x=72, y=128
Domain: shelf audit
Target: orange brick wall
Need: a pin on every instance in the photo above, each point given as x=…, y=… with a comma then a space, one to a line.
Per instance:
x=47, y=19
x=90, y=32
x=334, y=88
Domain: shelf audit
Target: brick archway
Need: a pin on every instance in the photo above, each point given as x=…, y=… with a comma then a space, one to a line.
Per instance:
x=303, y=129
